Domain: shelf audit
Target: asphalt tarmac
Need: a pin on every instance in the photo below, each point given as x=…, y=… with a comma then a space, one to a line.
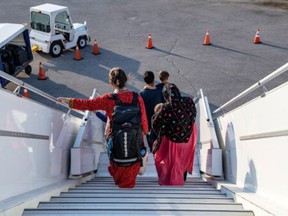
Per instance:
x=231, y=64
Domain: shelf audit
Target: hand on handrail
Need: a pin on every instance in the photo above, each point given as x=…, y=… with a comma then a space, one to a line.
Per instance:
x=63, y=100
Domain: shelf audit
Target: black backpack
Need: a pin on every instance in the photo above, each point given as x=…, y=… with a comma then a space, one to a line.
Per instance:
x=126, y=132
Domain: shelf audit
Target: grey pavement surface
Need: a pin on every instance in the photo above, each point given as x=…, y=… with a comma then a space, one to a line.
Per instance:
x=223, y=70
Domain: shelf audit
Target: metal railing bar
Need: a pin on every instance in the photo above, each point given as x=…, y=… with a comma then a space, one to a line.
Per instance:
x=204, y=105
x=20, y=83
x=94, y=95
x=260, y=83
x=264, y=135
x=206, y=142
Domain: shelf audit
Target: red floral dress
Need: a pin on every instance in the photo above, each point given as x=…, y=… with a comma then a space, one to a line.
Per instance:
x=124, y=177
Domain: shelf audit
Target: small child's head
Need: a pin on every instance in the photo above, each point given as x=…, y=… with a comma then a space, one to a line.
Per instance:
x=163, y=76
x=158, y=107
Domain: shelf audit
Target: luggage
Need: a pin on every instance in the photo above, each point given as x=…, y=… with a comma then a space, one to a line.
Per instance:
x=13, y=56
x=19, y=53
x=126, y=132
x=20, y=56
x=8, y=61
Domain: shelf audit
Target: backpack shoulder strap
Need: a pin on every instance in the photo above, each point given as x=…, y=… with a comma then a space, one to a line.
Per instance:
x=135, y=98
x=116, y=98
x=119, y=102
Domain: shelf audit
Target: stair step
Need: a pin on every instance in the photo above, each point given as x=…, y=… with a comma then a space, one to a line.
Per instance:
x=112, y=195
x=90, y=212
x=100, y=196
x=139, y=206
x=141, y=200
x=147, y=185
x=147, y=178
x=144, y=187
x=145, y=191
x=144, y=180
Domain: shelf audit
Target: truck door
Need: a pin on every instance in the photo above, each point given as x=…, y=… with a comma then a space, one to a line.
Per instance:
x=63, y=25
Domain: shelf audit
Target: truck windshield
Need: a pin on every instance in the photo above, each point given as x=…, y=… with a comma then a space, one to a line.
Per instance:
x=40, y=22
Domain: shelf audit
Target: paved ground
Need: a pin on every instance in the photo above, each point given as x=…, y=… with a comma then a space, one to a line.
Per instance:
x=230, y=65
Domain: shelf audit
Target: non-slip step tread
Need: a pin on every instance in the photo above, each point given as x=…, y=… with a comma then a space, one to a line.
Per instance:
x=146, y=206
x=148, y=178
x=88, y=194
x=144, y=191
x=89, y=212
x=151, y=182
x=141, y=200
x=145, y=187
x=116, y=189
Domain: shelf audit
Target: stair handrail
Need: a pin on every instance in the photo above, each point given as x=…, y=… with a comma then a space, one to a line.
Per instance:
x=21, y=84
x=260, y=83
x=200, y=95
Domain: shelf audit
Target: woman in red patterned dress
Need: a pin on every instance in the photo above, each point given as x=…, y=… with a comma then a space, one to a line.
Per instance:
x=124, y=177
x=174, y=149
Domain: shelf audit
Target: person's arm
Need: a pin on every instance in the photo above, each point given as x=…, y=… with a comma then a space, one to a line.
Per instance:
x=157, y=121
x=144, y=120
x=99, y=103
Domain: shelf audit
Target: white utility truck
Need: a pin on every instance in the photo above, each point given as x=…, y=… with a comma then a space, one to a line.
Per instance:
x=52, y=30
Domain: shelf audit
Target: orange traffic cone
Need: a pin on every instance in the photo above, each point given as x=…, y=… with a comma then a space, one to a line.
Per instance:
x=41, y=74
x=25, y=93
x=149, y=42
x=257, y=37
x=207, y=39
x=78, y=56
x=96, y=48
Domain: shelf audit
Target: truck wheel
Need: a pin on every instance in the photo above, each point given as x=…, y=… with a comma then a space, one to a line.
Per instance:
x=55, y=49
x=28, y=69
x=81, y=42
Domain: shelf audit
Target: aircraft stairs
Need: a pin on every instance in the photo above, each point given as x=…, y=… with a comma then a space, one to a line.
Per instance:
x=99, y=196
x=241, y=133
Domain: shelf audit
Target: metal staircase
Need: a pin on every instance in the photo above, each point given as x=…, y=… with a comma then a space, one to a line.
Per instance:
x=100, y=196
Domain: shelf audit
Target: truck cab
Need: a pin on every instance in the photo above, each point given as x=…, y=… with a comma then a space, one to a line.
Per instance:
x=52, y=30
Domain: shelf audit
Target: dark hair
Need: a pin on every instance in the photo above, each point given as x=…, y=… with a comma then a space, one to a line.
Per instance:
x=149, y=77
x=163, y=75
x=117, y=77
